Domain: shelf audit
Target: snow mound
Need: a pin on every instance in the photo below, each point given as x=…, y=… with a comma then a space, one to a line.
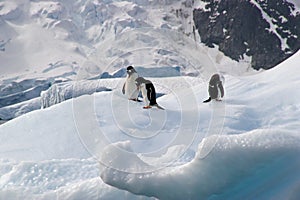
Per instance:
x=256, y=160
x=249, y=162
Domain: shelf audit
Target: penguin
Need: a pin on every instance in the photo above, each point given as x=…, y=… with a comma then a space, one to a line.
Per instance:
x=215, y=88
x=129, y=87
x=148, y=92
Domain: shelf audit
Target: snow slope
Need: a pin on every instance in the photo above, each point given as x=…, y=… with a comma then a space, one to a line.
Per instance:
x=244, y=147
x=256, y=157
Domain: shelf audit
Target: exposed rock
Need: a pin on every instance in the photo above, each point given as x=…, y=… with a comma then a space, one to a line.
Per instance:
x=268, y=32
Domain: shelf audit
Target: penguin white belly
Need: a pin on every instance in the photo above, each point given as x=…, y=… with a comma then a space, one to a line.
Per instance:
x=131, y=90
x=220, y=91
x=144, y=94
x=219, y=94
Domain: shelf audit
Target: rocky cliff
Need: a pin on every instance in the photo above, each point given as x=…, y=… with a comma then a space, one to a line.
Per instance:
x=267, y=31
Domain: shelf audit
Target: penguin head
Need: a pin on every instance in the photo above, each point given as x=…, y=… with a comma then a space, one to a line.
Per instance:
x=130, y=70
x=214, y=79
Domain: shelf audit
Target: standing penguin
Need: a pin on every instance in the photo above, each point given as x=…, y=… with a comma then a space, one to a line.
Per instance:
x=129, y=88
x=215, y=89
x=148, y=92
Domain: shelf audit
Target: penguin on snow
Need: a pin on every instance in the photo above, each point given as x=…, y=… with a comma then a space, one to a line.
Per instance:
x=215, y=88
x=129, y=88
x=148, y=92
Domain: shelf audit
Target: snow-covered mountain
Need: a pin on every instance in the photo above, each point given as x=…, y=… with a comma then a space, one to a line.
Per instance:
x=55, y=38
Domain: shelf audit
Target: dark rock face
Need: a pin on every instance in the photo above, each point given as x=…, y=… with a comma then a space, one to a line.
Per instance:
x=269, y=32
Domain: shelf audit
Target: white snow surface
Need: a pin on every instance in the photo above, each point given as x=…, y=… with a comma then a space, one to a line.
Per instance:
x=246, y=146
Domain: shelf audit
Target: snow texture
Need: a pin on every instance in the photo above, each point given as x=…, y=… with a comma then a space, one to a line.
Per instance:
x=90, y=142
x=250, y=164
x=62, y=151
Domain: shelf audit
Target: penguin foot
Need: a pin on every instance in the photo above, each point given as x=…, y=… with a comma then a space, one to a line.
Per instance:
x=147, y=107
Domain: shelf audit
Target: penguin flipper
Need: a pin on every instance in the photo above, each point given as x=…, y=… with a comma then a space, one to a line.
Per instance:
x=208, y=100
x=123, y=88
x=221, y=89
